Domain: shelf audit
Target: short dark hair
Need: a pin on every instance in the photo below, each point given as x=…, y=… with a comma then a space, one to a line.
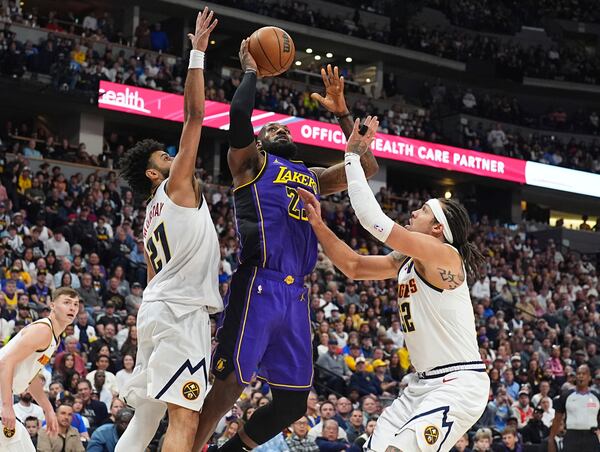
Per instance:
x=135, y=162
x=32, y=418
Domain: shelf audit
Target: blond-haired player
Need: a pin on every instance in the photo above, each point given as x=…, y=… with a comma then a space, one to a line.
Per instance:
x=20, y=362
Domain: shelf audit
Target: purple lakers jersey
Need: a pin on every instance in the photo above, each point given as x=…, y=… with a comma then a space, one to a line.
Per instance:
x=272, y=225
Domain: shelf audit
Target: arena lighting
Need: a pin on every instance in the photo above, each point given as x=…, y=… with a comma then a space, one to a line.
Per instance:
x=213, y=42
x=368, y=80
x=348, y=59
x=317, y=57
x=309, y=50
x=448, y=194
x=329, y=55
x=298, y=63
x=161, y=105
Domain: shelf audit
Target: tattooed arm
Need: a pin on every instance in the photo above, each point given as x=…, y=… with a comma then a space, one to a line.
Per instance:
x=452, y=279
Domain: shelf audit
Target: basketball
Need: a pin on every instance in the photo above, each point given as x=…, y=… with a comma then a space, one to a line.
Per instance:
x=273, y=50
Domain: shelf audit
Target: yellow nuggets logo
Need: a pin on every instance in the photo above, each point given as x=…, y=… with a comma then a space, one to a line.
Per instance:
x=8, y=432
x=404, y=290
x=431, y=434
x=287, y=175
x=191, y=390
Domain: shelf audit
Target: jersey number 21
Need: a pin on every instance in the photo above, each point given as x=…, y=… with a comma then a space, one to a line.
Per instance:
x=156, y=239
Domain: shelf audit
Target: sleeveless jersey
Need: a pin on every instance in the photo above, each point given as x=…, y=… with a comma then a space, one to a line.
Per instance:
x=439, y=325
x=272, y=226
x=26, y=370
x=183, y=249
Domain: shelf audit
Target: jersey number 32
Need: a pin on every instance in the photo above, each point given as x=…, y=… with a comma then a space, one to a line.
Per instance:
x=158, y=239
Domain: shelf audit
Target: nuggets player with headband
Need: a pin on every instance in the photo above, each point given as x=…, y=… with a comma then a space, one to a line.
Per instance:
x=182, y=254
x=266, y=324
x=431, y=259
x=20, y=362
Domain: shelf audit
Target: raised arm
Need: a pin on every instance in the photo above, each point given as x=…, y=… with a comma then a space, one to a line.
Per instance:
x=438, y=259
x=34, y=337
x=243, y=157
x=352, y=264
x=181, y=186
x=333, y=179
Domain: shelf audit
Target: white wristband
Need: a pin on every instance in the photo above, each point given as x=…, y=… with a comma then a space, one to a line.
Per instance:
x=196, y=59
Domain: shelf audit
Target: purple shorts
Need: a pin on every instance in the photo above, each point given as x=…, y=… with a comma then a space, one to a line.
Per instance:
x=266, y=330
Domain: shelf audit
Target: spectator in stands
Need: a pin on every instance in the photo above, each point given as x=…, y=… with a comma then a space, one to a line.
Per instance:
x=105, y=438
x=327, y=412
x=330, y=442
x=59, y=245
x=93, y=410
x=355, y=426
x=25, y=408
x=32, y=424
x=521, y=409
x=299, y=441
x=535, y=431
x=68, y=437
x=336, y=372
x=159, y=39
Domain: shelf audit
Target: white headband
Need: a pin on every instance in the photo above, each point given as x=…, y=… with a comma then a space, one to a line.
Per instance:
x=439, y=215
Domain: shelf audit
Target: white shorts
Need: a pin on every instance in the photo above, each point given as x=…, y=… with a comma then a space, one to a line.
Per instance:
x=432, y=414
x=173, y=357
x=19, y=442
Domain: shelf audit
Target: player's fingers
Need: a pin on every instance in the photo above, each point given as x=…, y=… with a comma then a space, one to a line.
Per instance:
x=190, y=36
x=317, y=97
x=305, y=195
x=324, y=77
x=336, y=73
x=208, y=19
x=212, y=26
x=356, y=125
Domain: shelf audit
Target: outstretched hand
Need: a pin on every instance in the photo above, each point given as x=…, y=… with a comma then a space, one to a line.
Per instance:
x=312, y=206
x=362, y=136
x=334, y=100
x=204, y=26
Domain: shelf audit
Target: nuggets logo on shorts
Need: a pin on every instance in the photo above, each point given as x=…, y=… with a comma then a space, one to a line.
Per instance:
x=191, y=390
x=220, y=365
x=431, y=434
x=8, y=432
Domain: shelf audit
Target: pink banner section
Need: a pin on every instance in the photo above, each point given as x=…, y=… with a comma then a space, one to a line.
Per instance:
x=157, y=104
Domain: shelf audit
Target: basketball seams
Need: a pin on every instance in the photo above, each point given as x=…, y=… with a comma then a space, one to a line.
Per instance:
x=276, y=31
x=264, y=59
x=265, y=54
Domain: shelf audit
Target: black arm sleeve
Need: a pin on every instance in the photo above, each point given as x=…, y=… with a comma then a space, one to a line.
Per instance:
x=241, y=133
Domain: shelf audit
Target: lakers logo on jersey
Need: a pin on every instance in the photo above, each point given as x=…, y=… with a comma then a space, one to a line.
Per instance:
x=286, y=175
x=220, y=367
x=8, y=432
x=431, y=434
x=191, y=390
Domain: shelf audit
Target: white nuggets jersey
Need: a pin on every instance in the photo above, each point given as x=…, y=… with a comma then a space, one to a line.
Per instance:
x=27, y=369
x=183, y=249
x=439, y=325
